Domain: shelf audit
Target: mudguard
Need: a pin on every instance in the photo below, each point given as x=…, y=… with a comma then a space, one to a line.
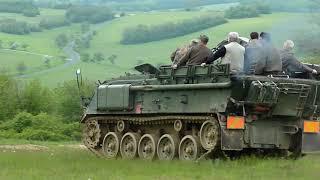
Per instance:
x=311, y=137
x=310, y=143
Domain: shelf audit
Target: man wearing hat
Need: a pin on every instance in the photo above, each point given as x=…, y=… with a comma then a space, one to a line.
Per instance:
x=197, y=54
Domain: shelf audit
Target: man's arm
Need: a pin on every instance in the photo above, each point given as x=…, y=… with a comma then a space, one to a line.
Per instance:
x=296, y=63
x=219, y=54
x=173, y=55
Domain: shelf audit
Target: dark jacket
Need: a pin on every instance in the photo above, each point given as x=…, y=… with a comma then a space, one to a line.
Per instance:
x=196, y=55
x=291, y=64
x=271, y=63
x=253, y=54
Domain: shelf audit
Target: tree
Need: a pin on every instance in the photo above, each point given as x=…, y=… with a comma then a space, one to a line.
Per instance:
x=112, y=58
x=61, y=40
x=47, y=60
x=9, y=96
x=85, y=27
x=85, y=57
x=35, y=98
x=21, y=68
x=24, y=46
x=98, y=56
x=13, y=45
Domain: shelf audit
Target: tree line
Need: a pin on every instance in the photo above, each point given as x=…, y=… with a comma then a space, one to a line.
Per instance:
x=25, y=7
x=12, y=26
x=34, y=112
x=91, y=14
x=144, y=34
x=247, y=10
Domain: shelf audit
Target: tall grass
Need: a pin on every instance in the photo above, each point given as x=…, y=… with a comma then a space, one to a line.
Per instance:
x=62, y=163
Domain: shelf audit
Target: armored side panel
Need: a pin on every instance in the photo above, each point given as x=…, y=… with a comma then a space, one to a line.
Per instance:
x=113, y=97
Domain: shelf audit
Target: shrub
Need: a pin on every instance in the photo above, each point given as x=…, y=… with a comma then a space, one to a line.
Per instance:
x=42, y=127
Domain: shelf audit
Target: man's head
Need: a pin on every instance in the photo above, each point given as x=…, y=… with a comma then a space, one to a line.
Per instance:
x=254, y=35
x=204, y=39
x=233, y=37
x=265, y=36
x=288, y=45
x=194, y=42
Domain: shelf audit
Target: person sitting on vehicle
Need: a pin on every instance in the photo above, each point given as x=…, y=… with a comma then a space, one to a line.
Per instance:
x=290, y=63
x=253, y=53
x=271, y=63
x=231, y=53
x=197, y=54
x=181, y=52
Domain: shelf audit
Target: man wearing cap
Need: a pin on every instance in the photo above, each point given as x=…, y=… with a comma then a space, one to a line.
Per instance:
x=197, y=54
x=232, y=53
x=178, y=54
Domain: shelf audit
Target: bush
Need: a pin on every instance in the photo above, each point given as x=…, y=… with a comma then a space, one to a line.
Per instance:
x=143, y=33
x=42, y=127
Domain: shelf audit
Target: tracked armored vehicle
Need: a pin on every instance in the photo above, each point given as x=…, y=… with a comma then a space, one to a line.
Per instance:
x=193, y=111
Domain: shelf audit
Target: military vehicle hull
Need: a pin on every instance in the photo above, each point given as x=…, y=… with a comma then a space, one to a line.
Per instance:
x=197, y=111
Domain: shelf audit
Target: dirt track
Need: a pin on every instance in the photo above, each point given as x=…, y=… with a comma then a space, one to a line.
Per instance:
x=36, y=148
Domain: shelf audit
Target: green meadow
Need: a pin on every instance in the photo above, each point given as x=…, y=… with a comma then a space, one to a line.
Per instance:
x=34, y=63
x=69, y=162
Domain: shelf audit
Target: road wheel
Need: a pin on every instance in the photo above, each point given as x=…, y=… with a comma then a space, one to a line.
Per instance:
x=148, y=147
x=129, y=145
x=189, y=148
x=210, y=134
x=167, y=147
x=111, y=145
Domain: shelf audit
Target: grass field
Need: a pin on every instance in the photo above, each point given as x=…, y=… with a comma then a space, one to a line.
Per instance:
x=44, y=13
x=10, y=59
x=66, y=162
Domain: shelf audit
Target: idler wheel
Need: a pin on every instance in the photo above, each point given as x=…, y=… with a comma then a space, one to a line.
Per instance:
x=209, y=134
x=111, y=145
x=167, y=147
x=91, y=133
x=129, y=145
x=189, y=148
x=148, y=147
